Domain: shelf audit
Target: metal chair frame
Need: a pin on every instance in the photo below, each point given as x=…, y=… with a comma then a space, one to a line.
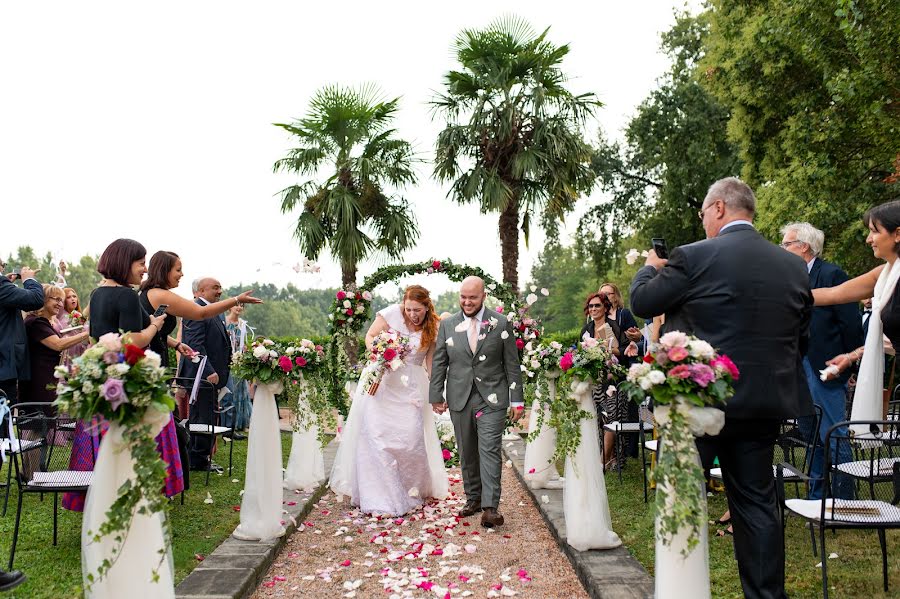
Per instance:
x=213, y=430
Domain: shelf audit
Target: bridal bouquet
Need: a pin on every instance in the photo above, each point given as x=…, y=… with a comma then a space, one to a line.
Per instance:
x=688, y=382
x=76, y=318
x=591, y=361
x=127, y=386
x=389, y=349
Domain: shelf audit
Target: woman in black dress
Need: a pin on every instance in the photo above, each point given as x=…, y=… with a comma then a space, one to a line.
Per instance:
x=163, y=275
x=883, y=222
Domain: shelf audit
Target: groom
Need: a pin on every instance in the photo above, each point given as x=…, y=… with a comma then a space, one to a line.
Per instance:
x=476, y=356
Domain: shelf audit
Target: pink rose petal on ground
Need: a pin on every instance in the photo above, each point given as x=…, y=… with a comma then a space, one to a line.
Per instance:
x=293, y=554
x=269, y=584
x=279, y=578
x=464, y=578
x=345, y=563
x=425, y=585
x=531, y=471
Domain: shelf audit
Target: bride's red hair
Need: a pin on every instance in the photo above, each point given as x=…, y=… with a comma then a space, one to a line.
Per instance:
x=430, y=323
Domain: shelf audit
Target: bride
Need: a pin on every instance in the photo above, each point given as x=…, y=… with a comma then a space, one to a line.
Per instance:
x=390, y=458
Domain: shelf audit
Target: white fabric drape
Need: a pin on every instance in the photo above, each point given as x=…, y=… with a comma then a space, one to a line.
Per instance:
x=585, y=505
x=306, y=465
x=677, y=576
x=867, y=399
x=262, y=500
x=539, y=466
x=131, y=575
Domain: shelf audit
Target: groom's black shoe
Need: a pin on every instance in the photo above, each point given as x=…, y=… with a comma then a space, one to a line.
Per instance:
x=471, y=508
x=491, y=518
x=10, y=580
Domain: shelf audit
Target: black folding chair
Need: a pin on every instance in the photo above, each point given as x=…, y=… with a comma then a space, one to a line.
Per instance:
x=876, y=445
x=42, y=467
x=641, y=427
x=210, y=425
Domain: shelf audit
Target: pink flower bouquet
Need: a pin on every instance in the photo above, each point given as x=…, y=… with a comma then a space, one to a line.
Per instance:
x=389, y=350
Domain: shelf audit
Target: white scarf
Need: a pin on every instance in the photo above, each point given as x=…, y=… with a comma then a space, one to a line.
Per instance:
x=867, y=399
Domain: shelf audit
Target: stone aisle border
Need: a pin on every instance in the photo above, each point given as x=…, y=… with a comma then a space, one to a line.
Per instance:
x=235, y=568
x=610, y=574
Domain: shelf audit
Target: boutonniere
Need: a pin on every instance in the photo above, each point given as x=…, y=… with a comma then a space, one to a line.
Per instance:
x=487, y=326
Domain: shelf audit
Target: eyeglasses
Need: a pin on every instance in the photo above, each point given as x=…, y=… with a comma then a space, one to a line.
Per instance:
x=786, y=244
x=595, y=305
x=702, y=210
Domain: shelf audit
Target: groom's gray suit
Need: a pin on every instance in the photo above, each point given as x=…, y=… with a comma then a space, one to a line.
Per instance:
x=480, y=386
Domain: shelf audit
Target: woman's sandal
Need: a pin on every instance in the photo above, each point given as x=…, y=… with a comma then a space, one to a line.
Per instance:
x=724, y=532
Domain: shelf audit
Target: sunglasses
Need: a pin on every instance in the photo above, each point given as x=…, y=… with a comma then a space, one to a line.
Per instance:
x=595, y=305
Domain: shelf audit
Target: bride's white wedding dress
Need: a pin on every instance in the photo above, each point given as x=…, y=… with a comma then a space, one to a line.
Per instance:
x=390, y=458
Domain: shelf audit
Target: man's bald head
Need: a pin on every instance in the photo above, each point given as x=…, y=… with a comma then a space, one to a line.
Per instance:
x=471, y=295
x=209, y=289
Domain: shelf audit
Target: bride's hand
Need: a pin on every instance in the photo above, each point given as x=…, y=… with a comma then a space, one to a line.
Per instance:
x=842, y=362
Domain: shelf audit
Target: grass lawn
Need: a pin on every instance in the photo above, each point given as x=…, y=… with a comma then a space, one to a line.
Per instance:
x=197, y=527
x=856, y=572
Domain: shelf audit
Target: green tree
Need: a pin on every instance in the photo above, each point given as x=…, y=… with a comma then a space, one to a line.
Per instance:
x=674, y=148
x=84, y=278
x=814, y=94
x=513, y=140
x=352, y=155
x=569, y=279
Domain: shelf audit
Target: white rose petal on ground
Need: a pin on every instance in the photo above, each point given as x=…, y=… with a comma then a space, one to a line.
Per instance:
x=414, y=492
x=208, y=499
x=545, y=499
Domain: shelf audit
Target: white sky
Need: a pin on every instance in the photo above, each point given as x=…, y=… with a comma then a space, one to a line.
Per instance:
x=153, y=120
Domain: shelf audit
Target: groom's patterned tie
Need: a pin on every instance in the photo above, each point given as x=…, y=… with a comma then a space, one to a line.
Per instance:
x=473, y=333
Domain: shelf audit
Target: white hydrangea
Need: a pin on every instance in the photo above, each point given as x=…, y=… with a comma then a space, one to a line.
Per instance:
x=701, y=349
x=637, y=371
x=87, y=387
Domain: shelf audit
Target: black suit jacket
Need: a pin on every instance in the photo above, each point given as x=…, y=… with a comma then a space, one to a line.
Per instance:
x=748, y=298
x=209, y=337
x=833, y=330
x=14, y=362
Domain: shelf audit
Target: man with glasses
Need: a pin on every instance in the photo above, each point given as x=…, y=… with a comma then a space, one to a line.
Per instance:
x=833, y=330
x=750, y=300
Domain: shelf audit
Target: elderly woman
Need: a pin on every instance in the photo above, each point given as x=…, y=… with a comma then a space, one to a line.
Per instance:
x=44, y=348
x=606, y=330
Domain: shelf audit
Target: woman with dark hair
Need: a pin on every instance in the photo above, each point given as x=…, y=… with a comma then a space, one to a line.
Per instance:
x=621, y=315
x=116, y=308
x=880, y=284
x=613, y=407
x=163, y=275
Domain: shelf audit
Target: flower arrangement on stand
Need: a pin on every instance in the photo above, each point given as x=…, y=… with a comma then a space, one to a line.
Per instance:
x=350, y=310
x=125, y=385
x=389, y=350
x=689, y=383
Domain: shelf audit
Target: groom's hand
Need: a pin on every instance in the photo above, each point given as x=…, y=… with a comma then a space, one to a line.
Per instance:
x=516, y=413
x=439, y=408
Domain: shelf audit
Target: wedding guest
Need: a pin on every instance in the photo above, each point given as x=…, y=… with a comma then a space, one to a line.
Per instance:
x=116, y=308
x=238, y=418
x=716, y=289
x=45, y=346
x=207, y=336
x=833, y=330
x=622, y=316
x=613, y=408
x=67, y=317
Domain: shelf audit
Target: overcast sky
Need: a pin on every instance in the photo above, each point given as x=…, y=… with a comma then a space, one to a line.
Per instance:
x=153, y=120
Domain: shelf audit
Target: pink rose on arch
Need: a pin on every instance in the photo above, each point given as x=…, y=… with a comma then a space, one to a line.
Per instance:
x=677, y=354
x=436, y=265
x=702, y=374
x=300, y=361
x=341, y=295
x=723, y=362
x=679, y=372
x=566, y=362
x=113, y=390
x=285, y=363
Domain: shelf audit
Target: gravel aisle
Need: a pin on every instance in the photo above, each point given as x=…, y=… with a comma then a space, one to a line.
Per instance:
x=339, y=552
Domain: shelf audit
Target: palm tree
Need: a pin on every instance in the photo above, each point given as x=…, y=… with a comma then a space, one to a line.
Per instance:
x=513, y=137
x=348, y=132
